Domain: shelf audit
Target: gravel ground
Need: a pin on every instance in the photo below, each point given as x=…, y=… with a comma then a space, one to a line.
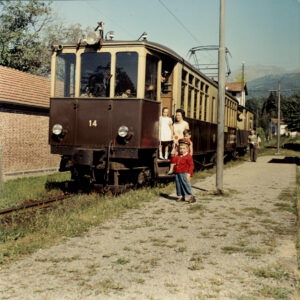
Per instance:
x=238, y=246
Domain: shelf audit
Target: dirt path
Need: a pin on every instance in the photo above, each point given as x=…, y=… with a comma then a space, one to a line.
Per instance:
x=236, y=247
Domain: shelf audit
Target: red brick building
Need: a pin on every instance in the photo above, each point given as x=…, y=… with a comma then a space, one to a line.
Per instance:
x=24, y=123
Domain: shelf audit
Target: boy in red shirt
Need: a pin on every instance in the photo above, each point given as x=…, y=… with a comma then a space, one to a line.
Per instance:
x=184, y=167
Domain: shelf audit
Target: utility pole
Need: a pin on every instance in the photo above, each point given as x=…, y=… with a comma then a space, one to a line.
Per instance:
x=243, y=100
x=278, y=119
x=278, y=116
x=221, y=100
x=278, y=112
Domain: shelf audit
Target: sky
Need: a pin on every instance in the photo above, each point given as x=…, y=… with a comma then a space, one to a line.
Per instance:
x=258, y=32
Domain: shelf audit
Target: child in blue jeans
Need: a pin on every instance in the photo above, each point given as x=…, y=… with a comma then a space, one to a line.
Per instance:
x=184, y=166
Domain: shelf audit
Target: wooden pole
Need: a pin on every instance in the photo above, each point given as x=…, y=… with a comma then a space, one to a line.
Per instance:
x=278, y=120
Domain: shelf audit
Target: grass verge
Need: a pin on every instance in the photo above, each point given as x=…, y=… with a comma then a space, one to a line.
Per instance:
x=270, y=148
x=16, y=191
x=29, y=232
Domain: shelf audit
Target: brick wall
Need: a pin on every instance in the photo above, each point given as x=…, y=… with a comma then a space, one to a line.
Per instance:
x=24, y=141
x=24, y=123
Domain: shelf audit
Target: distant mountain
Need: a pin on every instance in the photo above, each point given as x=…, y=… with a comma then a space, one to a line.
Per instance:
x=257, y=71
x=260, y=87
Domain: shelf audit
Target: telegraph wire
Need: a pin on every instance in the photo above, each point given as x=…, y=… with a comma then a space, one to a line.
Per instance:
x=112, y=20
x=185, y=28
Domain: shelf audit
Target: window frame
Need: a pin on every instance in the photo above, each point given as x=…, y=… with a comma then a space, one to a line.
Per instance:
x=115, y=72
x=55, y=90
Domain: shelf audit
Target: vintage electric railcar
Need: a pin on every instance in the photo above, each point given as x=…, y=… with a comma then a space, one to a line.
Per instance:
x=106, y=99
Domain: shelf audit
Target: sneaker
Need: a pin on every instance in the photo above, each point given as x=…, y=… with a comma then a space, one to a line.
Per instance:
x=192, y=199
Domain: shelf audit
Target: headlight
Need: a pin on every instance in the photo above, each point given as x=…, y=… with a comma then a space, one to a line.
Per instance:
x=123, y=131
x=57, y=129
x=93, y=38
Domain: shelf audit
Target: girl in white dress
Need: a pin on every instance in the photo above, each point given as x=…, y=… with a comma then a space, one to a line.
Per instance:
x=165, y=133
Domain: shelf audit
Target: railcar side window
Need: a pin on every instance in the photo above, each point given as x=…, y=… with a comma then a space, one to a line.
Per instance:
x=182, y=95
x=95, y=74
x=126, y=74
x=183, y=88
x=65, y=75
x=196, y=104
x=151, y=77
x=189, y=108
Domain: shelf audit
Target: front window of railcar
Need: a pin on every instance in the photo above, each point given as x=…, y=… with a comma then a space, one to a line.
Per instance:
x=65, y=75
x=151, y=77
x=126, y=74
x=95, y=74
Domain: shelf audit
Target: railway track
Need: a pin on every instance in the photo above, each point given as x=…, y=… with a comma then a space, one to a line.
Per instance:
x=33, y=204
x=44, y=203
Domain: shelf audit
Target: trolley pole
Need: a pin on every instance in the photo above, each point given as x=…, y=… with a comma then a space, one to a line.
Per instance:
x=278, y=119
x=221, y=100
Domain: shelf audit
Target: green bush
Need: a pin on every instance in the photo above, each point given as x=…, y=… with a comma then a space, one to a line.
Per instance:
x=260, y=131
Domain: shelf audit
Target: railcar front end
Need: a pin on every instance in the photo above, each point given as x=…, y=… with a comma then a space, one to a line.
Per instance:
x=103, y=112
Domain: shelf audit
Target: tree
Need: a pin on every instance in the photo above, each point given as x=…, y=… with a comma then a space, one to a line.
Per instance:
x=291, y=112
x=239, y=78
x=28, y=31
x=255, y=106
x=21, y=25
x=58, y=34
x=270, y=107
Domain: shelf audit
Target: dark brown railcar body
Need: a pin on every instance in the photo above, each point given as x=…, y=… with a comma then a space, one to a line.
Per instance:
x=93, y=123
x=203, y=136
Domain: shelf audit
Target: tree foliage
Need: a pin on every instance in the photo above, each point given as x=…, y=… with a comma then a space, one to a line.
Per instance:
x=239, y=78
x=58, y=33
x=270, y=106
x=291, y=112
x=28, y=30
x=21, y=24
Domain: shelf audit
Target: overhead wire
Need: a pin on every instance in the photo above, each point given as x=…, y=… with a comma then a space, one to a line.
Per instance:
x=178, y=20
x=112, y=20
x=186, y=29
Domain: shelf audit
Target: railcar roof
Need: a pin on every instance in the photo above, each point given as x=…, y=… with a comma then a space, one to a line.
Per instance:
x=151, y=46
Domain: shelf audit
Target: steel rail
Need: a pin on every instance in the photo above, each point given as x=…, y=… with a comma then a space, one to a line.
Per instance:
x=33, y=204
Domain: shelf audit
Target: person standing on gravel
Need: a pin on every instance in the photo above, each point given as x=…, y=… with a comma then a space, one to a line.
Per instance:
x=184, y=167
x=253, y=145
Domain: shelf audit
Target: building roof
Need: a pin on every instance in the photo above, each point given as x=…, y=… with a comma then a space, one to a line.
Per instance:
x=236, y=87
x=20, y=87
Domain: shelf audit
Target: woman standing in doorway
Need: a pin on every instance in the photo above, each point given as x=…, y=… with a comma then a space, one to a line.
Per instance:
x=178, y=128
x=180, y=125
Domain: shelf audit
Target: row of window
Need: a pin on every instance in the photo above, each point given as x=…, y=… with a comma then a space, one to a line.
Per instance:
x=199, y=104
x=230, y=112
x=195, y=98
x=96, y=75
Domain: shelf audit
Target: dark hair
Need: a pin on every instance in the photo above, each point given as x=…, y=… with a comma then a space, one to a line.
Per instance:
x=187, y=131
x=179, y=110
x=164, y=108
